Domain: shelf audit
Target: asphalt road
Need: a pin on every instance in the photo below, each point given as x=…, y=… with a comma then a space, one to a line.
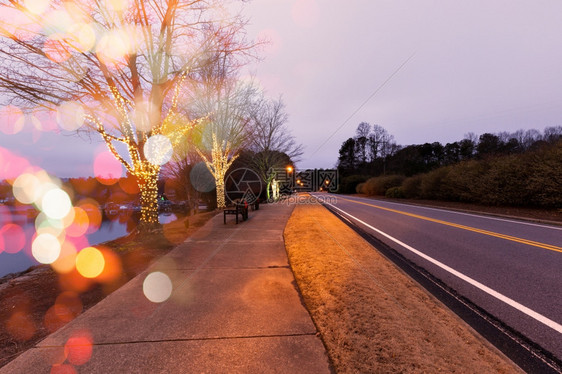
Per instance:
x=512, y=269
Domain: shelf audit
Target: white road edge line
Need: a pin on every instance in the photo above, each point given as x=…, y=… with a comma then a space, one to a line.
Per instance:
x=522, y=308
x=459, y=213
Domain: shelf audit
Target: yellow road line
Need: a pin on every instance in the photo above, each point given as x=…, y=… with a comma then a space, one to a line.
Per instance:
x=463, y=227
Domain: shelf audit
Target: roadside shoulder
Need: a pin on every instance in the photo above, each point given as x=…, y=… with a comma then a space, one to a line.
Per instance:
x=549, y=217
x=372, y=317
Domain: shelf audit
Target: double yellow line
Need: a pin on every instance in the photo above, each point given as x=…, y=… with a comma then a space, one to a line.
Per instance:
x=463, y=227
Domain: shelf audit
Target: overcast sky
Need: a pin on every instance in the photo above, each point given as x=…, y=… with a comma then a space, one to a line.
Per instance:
x=476, y=66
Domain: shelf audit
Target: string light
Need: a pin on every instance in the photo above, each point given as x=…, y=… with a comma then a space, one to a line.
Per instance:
x=218, y=166
x=173, y=126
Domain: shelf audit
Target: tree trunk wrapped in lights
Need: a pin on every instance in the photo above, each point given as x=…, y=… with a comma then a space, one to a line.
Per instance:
x=229, y=103
x=119, y=66
x=148, y=185
x=149, y=152
x=218, y=165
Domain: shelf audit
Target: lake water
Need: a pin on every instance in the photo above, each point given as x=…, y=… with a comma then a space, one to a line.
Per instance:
x=16, y=262
x=120, y=226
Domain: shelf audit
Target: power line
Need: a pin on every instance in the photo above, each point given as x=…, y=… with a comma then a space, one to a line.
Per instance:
x=365, y=102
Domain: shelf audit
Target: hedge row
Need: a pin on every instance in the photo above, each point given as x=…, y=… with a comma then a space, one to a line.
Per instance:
x=529, y=179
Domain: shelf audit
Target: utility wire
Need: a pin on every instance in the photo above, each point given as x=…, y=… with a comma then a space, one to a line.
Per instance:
x=365, y=102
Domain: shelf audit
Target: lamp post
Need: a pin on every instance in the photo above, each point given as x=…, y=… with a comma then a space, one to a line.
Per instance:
x=289, y=171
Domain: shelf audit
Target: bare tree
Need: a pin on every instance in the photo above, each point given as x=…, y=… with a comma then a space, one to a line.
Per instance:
x=552, y=134
x=361, y=140
x=530, y=137
x=377, y=139
x=185, y=175
x=230, y=102
x=272, y=143
x=118, y=70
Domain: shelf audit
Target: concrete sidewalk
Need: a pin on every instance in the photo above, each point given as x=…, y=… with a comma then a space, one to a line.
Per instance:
x=234, y=308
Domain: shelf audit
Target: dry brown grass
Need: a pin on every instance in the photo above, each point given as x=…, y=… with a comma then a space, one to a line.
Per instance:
x=372, y=317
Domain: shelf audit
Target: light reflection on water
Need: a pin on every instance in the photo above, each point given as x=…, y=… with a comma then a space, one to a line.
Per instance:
x=164, y=218
x=15, y=262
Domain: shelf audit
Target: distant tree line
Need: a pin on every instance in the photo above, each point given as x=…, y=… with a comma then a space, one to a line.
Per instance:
x=523, y=168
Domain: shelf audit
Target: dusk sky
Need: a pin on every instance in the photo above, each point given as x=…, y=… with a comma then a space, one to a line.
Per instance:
x=478, y=66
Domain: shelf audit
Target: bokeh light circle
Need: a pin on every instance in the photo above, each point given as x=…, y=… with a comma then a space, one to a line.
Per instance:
x=70, y=115
x=66, y=261
x=26, y=188
x=113, y=268
x=56, y=48
x=56, y=204
x=37, y=6
x=80, y=223
x=117, y=5
x=78, y=348
x=20, y=326
x=11, y=120
x=158, y=149
x=90, y=262
x=68, y=306
x=20, y=24
x=93, y=211
x=84, y=37
x=57, y=22
x=107, y=168
x=144, y=115
x=201, y=178
x=63, y=368
x=11, y=165
x=44, y=187
x=46, y=248
x=45, y=224
x=13, y=238
x=157, y=287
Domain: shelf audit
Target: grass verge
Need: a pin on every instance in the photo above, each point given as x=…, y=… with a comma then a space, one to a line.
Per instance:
x=372, y=317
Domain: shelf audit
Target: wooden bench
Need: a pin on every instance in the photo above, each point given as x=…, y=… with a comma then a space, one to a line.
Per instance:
x=255, y=205
x=238, y=208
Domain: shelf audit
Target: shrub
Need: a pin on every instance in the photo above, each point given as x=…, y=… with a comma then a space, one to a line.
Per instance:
x=545, y=180
x=360, y=188
x=464, y=181
x=379, y=185
x=411, y=187
x=395, y=192
x=372, y=187
x=506, y=182
x=349, y=184
x=533, y=178
x=432, y=184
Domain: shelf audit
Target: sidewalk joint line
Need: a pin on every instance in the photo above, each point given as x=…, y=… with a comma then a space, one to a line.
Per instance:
x=229, y=268
x=189, y=340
